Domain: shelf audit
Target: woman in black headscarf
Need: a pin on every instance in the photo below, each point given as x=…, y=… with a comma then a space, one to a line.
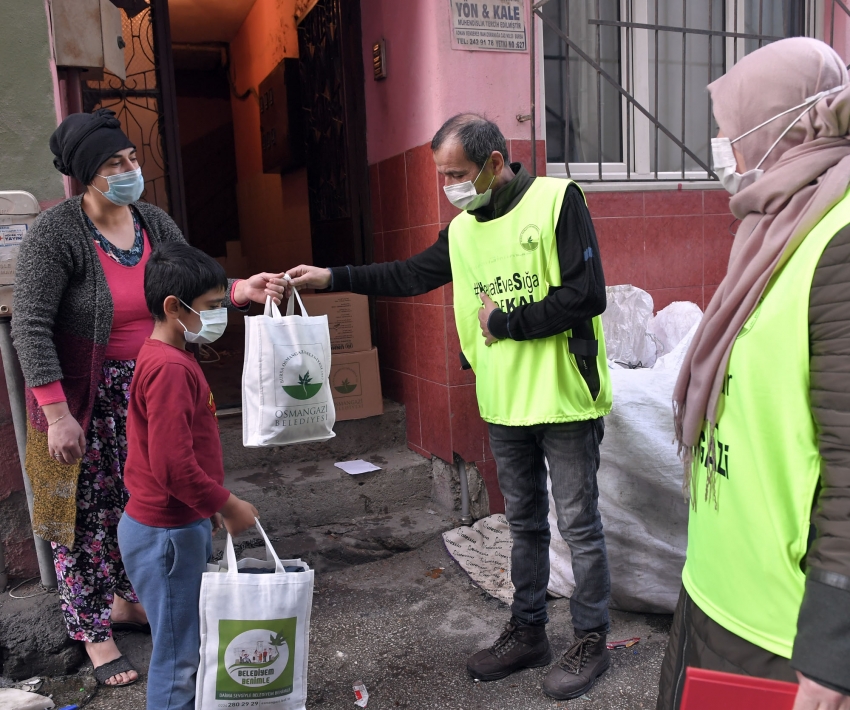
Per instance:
x=79, y=320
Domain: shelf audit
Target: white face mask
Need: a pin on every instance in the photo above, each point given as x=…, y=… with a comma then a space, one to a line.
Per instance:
x=725, y=165
x=213, y=323
x=723, y=157
x=464, y=196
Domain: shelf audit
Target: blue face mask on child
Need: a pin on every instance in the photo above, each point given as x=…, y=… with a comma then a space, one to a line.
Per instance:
x=124, y=188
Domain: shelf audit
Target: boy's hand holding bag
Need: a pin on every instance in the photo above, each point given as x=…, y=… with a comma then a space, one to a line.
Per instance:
x=286, y=394
x=255, y=633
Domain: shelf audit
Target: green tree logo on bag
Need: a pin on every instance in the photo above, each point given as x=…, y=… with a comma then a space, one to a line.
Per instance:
x=256, y=659
x=300, y=370
x=305, y=389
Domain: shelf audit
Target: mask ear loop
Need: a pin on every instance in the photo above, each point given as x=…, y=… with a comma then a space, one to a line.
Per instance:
x=810, y=102
x=783, y=134
x=480, y=173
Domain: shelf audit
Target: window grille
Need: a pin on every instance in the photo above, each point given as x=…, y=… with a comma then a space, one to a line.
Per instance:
x=624, y=80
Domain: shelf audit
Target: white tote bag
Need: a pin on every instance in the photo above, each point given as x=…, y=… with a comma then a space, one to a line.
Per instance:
x=255, y=633
x=286, y=395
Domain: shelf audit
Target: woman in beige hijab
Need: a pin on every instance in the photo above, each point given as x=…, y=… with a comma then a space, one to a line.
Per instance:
x=763, y=421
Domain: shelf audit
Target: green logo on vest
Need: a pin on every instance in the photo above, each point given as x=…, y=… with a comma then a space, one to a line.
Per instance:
x=529, y=238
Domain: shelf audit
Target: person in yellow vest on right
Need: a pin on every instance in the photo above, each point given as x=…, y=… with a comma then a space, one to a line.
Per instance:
x=762, y=404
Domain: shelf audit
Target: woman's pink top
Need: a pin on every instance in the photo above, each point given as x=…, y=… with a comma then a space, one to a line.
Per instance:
x=131, y=320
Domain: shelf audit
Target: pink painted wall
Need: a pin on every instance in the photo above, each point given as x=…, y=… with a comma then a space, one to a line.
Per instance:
x=428, y=81
x=837, y=34
x=274, y=214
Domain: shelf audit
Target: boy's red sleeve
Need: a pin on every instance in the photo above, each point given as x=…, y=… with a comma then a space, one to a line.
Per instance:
x=171, y=395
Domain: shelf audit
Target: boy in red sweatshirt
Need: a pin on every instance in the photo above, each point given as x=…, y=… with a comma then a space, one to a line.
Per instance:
x=174, y=470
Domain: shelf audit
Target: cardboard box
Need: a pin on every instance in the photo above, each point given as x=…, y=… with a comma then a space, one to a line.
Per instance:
x=356, y=385
x=348, y=319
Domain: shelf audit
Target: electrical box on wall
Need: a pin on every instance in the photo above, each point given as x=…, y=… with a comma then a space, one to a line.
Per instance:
x=281, y=119
x=18, y=210
x=87, y=35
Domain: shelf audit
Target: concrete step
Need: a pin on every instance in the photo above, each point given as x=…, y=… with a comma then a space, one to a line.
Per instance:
x=313, y=510
x=336, y=546
x=308, y=494
x=353, y=439
x=332, y=519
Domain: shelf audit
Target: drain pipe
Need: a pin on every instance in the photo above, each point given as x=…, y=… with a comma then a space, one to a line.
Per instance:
x=15, y=386
x=4, y=576
x=465, y=517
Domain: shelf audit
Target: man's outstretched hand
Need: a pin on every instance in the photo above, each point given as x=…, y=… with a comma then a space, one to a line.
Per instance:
x=307, y=277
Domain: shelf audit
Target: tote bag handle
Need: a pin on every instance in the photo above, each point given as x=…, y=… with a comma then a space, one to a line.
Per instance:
x=271, y=555
x=290, y=306
x=273, y=311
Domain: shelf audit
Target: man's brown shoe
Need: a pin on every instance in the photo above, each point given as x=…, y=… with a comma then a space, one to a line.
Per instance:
x=579, y=667
x=518, y=647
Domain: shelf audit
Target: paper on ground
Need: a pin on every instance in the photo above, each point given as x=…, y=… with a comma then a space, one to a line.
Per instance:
x=357, y=466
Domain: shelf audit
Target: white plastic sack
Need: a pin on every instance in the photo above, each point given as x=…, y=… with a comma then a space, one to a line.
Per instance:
x=672, y=323
x=625, y=322
x=255, y=633
x=644, y=515
x=674, y=359
x=286, y=396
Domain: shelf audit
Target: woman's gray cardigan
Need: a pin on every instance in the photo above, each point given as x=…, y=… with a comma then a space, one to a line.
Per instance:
x=61, y=323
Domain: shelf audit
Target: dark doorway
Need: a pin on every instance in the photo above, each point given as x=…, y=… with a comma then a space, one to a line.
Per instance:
x=329, y=42
x=207, y=145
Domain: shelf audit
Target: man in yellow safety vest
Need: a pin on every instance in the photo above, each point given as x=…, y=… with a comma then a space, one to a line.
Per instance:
x=528, y=292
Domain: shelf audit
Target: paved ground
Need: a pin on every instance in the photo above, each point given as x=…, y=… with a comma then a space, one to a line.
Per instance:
x=405, y=630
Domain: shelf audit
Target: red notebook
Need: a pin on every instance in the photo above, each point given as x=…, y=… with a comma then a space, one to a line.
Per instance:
x=712, y=690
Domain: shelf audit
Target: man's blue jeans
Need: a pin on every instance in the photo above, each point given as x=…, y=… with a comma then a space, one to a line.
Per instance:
x=165, y=566
x=572, y=451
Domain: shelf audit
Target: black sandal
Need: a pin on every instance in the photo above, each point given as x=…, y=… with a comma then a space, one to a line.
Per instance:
x=131, y=626
x=108, y=670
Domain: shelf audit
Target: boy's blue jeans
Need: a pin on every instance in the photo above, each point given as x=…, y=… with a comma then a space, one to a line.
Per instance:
x=165, y=567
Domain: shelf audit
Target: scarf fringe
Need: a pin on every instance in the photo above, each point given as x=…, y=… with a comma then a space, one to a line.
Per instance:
x=688, y=456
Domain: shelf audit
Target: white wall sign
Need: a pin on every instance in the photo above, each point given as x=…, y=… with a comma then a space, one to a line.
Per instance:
x=11, y=236
x=493, y=26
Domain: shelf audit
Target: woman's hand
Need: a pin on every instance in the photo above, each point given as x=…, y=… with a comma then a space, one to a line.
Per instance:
x=814, y=696
x=258, y=287
x=66, y=440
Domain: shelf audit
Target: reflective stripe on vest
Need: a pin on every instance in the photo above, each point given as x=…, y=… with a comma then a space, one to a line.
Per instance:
x=514, y=259
x=744, y=558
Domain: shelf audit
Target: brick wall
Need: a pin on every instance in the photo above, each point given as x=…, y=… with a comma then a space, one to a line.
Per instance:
x=674, y=244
